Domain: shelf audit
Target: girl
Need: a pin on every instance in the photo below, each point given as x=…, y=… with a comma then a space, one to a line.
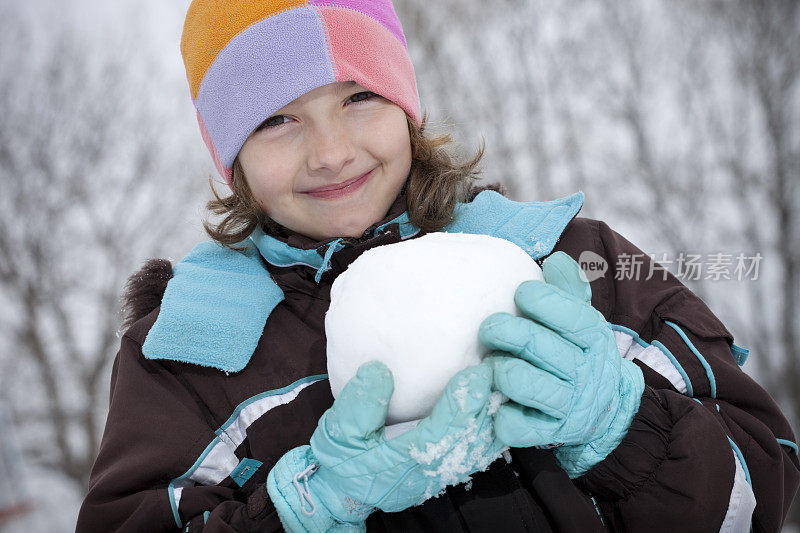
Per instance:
x=627, y=407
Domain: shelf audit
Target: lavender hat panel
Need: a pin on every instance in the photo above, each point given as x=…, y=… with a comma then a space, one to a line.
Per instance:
x=380, y=10
x=261, y=70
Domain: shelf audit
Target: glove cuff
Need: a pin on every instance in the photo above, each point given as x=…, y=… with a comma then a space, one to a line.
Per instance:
x=301, y=509
x=577, y=460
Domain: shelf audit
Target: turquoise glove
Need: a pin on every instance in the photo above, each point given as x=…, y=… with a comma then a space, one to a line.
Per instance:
x=350, y=468
x=569, y=388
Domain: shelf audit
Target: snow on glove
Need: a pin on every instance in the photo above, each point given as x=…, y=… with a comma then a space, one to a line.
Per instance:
x=350, y=468
x=563, y=373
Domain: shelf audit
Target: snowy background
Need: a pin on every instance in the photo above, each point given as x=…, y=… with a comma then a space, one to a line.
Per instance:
x=680, y=121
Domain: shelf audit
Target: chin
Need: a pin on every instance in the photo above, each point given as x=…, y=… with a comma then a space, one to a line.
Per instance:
x=353, y=231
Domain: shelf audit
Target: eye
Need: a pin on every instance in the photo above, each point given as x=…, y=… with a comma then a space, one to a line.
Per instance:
x=362, y=96
x=272, y=122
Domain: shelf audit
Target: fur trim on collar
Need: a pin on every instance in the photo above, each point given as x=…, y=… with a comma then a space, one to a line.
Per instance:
x=144, y=289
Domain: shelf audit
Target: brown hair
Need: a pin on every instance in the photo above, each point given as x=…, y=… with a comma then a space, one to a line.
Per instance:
x=435, y=184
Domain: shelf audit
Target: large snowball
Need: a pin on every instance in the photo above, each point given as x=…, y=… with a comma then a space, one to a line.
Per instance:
x=417, y=306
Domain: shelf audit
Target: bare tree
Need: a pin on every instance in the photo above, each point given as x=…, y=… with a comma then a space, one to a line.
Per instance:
x=764, y=39
x=762, y=157
x=725, y=78
x=680, y=120
x=491, y=76
x=92, y=182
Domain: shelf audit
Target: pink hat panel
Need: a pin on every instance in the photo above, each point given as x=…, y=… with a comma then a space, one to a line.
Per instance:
x=366, y=52
x=225, y=172
x=380, y=10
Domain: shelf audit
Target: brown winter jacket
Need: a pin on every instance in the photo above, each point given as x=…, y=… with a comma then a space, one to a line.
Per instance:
x=187, y=446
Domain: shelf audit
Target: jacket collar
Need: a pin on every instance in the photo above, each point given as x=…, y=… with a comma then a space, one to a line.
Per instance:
x=216, y=305
x=533, y=226
x=299, y=251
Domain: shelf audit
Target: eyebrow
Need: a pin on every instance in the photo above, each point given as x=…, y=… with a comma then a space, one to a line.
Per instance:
x=348, y=85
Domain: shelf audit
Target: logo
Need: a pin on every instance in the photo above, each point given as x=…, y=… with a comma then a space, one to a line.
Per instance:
x=593, y=266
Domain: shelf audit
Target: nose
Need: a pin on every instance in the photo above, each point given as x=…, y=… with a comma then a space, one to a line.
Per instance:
x=331, y=147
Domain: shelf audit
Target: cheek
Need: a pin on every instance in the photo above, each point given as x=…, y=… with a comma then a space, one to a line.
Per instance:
x=266, y=176
x=396, y=143
x=260, y=192
x=404, y=152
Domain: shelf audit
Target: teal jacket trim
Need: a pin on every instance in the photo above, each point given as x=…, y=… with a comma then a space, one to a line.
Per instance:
x=282, y=254
x=677, y=365
x=335, y=246
x=788, y=444
x=709, y=373
x=407, y=229
x=740, y=354
x=738, y=453
x=184, y=479
x=245, y=470
x=217, y=303
x=636, y=338
x=173, y=502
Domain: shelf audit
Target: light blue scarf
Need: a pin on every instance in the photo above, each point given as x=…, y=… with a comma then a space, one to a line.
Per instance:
x=217, y=303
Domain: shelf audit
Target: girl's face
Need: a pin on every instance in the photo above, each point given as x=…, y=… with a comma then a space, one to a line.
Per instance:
x=328, y=137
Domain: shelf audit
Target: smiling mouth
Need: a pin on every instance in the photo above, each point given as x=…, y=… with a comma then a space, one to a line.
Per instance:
x=338, y=186
x=341, y=190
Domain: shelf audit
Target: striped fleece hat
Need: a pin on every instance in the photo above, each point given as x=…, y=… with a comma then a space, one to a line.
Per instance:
x=245, y=59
